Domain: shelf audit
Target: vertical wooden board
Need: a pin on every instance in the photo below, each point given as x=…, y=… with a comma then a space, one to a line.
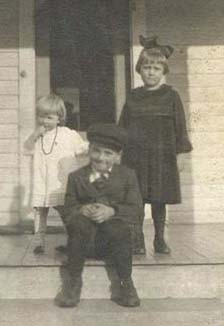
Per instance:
x=120, y=83
x=27, y=96
x=138, y=27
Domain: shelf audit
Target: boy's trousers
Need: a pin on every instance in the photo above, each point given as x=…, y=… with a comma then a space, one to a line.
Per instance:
x=110, y=239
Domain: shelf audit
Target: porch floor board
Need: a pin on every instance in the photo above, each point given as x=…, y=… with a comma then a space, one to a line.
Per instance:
x=191, y=245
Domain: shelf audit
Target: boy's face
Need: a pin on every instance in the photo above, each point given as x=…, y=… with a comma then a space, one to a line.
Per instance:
x=152, y=72
x=102, y=158
x=49, y=120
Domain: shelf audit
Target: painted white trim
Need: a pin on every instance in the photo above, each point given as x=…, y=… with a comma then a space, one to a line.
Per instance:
x=27, y=85
x=137, y=27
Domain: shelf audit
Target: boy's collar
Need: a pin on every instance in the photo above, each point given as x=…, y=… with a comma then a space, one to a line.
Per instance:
x=94, y=174
x=95, y=171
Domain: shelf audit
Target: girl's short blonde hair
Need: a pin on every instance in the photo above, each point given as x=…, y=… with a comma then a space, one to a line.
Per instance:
x=52, y=104
x=152, y=55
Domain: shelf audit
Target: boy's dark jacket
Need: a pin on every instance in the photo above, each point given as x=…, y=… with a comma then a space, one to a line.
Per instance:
x=120, y=191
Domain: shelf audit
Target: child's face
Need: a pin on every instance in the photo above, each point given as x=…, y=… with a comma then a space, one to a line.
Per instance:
x=48, y=120
x=152, y=72
x=102, y=158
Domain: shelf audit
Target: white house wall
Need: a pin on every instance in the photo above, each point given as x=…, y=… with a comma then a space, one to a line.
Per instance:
x=9, y=107
x=195, y=29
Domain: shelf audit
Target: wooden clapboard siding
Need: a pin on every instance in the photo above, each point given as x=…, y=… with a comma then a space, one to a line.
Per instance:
x=8, y=146
x=9, y=102
x=8, y=131
x=9, y=117
x=8, y=87
x=9, y=175
x=9, y=94
x=9, y=160
x=9, y=204
x=205, y=94
x=196, y=80
x=9, y=190
x=9, y=58
x=195, y=29
x=198, y=66
x=203, y=191
x=195, y=216
x=8, y=73
x=10, y=217
x=200, y=123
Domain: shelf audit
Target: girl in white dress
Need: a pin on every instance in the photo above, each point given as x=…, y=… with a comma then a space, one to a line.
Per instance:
x=55, y=151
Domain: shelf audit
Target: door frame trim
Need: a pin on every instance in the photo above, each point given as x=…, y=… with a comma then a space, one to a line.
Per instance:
x=27, y=91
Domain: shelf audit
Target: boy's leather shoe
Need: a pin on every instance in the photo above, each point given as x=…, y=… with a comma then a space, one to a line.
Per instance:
x=69, y=296
x=161, y=247
x=129, y=296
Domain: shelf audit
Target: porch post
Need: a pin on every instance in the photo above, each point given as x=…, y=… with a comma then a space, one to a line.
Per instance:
x=137, y=27
x=26, y=100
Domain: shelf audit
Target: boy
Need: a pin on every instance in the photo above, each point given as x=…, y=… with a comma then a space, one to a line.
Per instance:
x=102, y=199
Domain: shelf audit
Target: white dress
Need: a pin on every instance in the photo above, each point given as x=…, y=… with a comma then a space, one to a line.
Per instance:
x=53, y=163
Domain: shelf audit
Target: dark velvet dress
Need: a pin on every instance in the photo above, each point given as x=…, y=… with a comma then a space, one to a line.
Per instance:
x=157, y=132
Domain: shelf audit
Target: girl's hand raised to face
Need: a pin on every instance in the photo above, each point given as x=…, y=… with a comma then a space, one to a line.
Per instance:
x=40, y=131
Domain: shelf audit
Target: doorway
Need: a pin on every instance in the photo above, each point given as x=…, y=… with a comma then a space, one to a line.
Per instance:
x=83, y=54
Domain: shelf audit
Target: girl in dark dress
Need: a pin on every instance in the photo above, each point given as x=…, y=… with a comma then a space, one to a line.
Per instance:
x=155, y=120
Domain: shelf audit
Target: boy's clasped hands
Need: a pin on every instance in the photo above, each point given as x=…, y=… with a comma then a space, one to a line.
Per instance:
x=97, y=212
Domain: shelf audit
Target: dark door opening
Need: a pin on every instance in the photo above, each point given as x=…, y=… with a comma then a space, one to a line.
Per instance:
x=84, y=38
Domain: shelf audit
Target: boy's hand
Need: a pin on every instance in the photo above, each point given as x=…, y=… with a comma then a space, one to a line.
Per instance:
x=103, y=213
x=98, y=213
x=88, y=210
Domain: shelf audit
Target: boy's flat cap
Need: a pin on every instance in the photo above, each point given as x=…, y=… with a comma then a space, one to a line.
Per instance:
x=107, y=134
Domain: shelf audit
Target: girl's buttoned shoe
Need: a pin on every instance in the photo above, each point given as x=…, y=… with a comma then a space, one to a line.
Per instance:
x=39, y=240
x=159, y=243
x=161, y=247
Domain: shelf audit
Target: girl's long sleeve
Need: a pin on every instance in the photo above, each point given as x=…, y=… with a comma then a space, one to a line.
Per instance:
x=183, y=144
x=124, y=118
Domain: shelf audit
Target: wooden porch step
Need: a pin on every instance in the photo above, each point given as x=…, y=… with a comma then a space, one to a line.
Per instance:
x=195, y=269
x=184, y=312
x=183, y=281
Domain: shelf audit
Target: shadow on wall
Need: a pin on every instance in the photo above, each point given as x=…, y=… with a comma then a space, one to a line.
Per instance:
x=14, y=217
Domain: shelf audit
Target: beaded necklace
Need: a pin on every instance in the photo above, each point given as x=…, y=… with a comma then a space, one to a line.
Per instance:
x=52, y=145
